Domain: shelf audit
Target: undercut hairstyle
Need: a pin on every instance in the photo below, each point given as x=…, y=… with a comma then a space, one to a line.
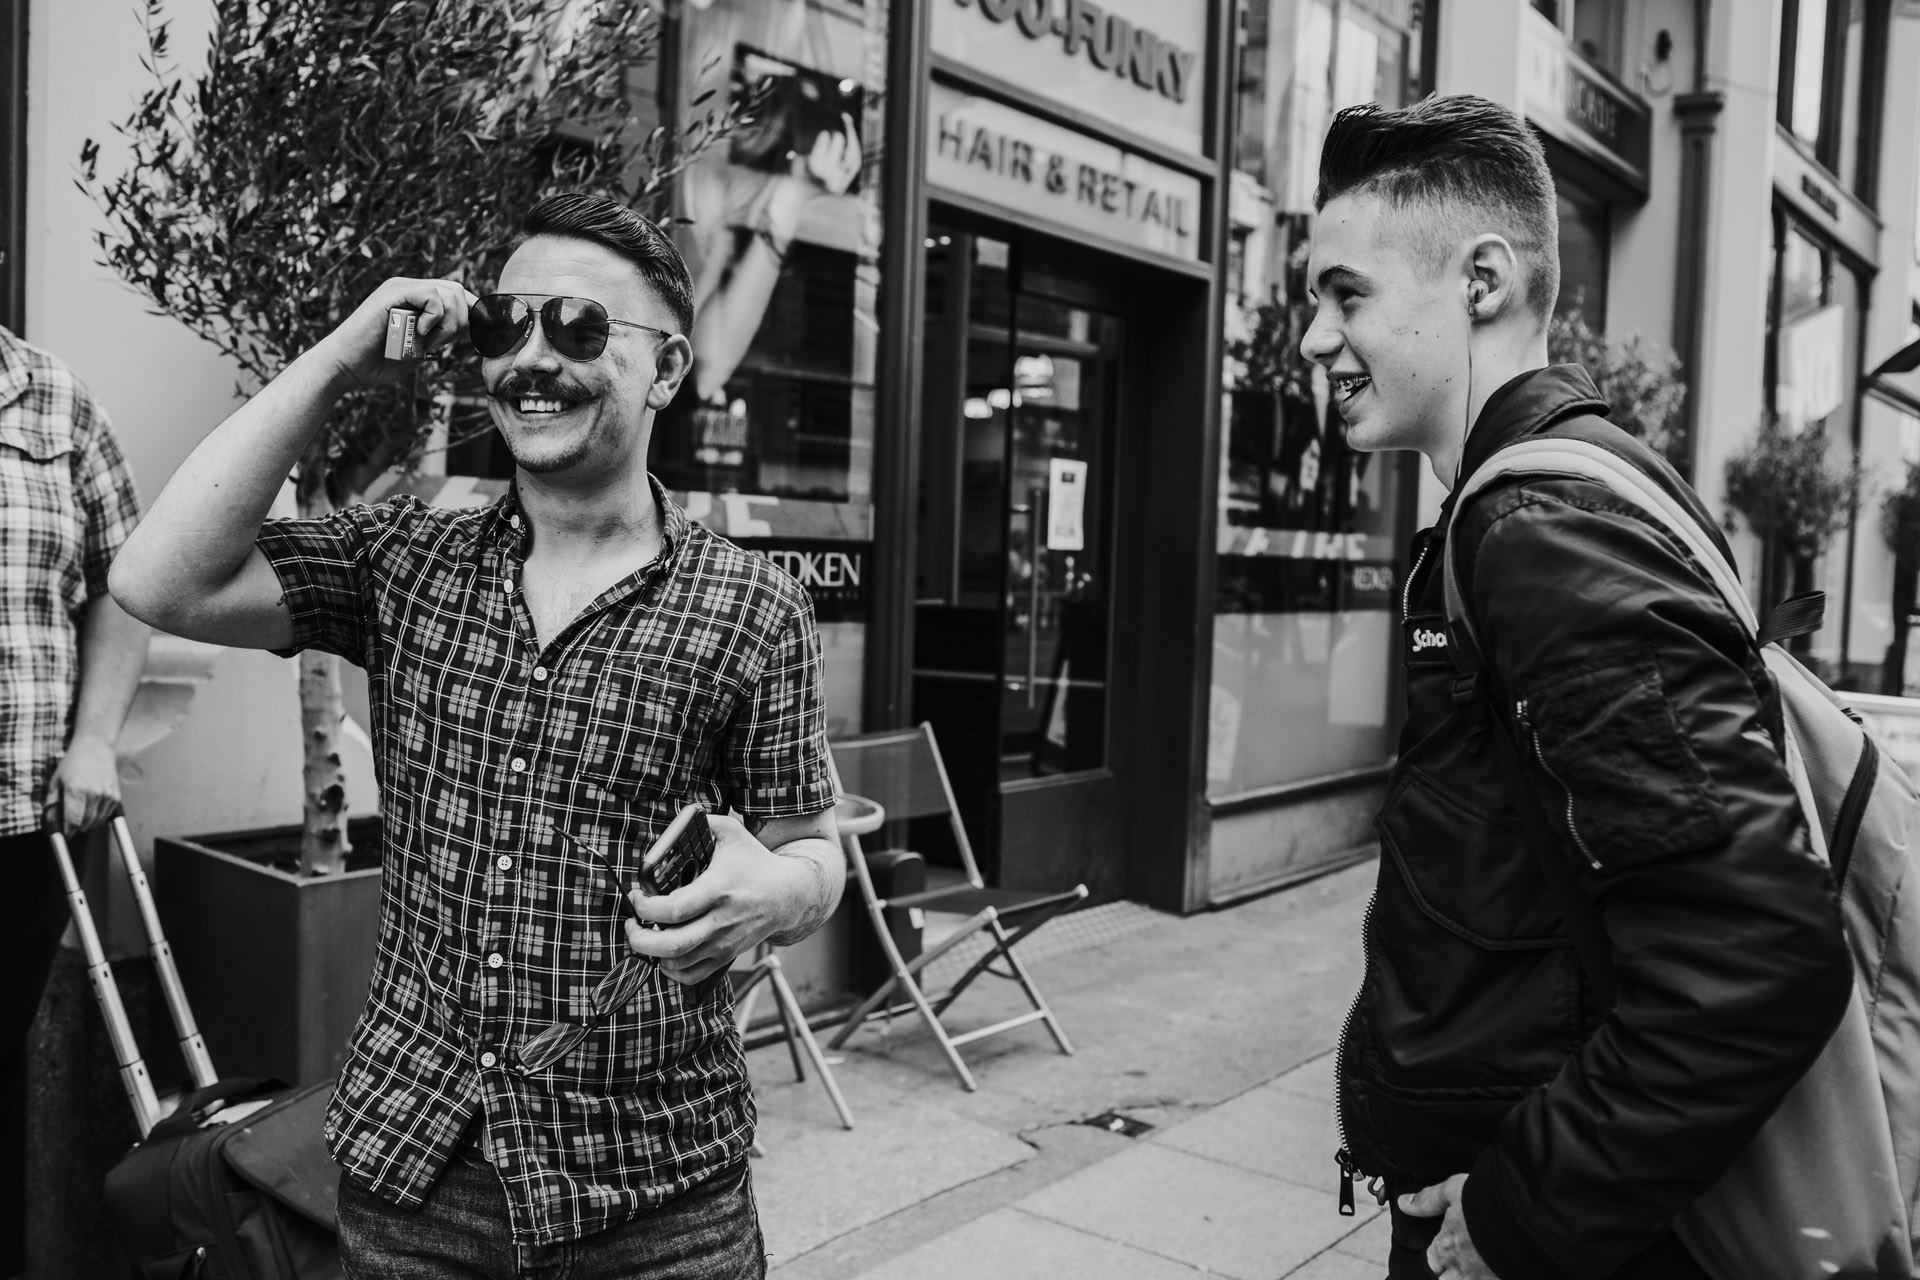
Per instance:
x=1459, y=165
x=610, y=224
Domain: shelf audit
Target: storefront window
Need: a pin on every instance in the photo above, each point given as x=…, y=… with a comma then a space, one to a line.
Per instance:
x=1312, y=534
x=1832, y=62
x=1586, y=239
x=771, y=436
x=770, y=441
x=1593, y=27
x=1813, y=339
x=1804, y=66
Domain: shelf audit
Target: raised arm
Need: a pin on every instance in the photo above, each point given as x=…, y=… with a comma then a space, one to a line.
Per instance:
x=191, y=567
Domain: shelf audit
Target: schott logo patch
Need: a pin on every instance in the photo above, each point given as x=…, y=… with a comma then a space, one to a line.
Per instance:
x=1426, y=641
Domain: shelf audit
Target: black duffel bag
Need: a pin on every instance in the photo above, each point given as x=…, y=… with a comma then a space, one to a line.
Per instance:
x=210, y=1198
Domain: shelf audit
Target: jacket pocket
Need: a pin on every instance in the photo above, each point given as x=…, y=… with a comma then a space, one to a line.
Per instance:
x=1465, y=871
x=1621, y=772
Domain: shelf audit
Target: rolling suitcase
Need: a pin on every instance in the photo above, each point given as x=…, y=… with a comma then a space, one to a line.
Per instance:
x=234, y=1182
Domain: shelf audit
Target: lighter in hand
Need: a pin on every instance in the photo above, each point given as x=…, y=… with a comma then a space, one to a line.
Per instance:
x=403, y=334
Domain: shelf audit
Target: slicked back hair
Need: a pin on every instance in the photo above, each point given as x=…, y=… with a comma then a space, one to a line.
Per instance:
x=1460, y=165
x=606, y=222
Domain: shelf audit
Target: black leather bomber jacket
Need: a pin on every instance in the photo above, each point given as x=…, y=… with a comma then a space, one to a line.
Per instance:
x=1474, y=1044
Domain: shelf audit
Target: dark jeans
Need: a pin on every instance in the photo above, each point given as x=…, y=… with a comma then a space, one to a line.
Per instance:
x=29, y=940
x=461, y=1233
x=1664, y=1259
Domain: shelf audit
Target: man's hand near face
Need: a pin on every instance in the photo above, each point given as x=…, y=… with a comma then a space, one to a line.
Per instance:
x=780, y=885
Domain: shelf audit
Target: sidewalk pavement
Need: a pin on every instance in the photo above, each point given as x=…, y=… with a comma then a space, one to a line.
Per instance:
x=1217, y=1030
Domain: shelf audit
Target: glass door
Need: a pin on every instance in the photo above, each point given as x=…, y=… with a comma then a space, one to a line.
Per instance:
x=1014, y=625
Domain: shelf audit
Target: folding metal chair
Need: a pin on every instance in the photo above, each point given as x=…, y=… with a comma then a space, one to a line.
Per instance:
x=903, y=772
x=766, y=969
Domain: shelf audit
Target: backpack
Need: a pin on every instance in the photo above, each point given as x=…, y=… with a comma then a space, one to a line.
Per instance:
x=1831, y=1184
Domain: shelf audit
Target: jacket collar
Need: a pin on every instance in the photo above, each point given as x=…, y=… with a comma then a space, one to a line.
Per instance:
x=1527, y=404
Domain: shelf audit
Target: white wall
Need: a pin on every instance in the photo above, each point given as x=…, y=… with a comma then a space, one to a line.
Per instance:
x=1741, y=61
x=1646, y=240
x=234, y=760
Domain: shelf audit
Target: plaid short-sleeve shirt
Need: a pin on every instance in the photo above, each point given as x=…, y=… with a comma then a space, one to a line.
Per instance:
x=697, y=678
x=66, y=504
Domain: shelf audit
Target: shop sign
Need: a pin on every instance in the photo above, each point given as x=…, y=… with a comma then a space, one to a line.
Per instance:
x=981, y=150
x=1810, y=190
x=831, y=572
x=1140, y=64
x=1579, y=105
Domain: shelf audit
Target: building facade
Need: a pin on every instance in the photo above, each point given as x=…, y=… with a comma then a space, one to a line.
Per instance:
x=998, y=308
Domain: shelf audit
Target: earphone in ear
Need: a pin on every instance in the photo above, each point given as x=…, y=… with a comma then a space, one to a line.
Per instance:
x=1476, y=293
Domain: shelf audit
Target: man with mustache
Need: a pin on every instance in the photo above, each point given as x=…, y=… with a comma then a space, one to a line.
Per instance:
x=1519, y=1130
x=577, y=657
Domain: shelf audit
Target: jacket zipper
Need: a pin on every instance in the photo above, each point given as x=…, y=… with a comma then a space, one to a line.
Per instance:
x=1525, y=721
x=1406, y=591
x=1343, y=1158
x=1349, y=1171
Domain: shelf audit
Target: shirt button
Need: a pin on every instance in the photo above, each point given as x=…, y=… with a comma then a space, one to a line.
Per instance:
x=487, y=1059
x=539, y=673
x=495, y=960
x=505, y=863
x=518, y=765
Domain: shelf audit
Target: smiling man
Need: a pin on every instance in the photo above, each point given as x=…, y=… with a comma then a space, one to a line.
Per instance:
x=576, y=657
x=1518, y=1129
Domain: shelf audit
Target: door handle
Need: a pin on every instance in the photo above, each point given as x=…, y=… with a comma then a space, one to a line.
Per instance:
x=1035, y=511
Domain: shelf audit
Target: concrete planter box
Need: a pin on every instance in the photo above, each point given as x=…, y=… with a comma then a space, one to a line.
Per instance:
x=275, y=964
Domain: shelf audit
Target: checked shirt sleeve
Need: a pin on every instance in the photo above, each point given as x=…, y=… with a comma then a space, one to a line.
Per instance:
x=327, y=569
x=774, y=757
x=105, y=491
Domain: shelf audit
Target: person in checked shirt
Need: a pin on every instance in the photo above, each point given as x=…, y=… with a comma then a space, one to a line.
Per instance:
x=578, y=658
x=70, y=662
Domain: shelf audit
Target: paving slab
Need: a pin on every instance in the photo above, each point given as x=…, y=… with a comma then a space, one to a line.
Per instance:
x=1228, y=1220
x=1012, y=1245
x=1334, y=1265
x=816, y=1182
x=1372, y=1241
x=1235, y=1007
x=1267, y=1130
x=1059, y=1151
x=1310, y=1079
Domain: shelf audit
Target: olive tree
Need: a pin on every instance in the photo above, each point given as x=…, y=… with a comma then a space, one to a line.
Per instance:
x=324, y=147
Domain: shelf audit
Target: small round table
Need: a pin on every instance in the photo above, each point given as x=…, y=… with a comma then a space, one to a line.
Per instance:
x=858, y=816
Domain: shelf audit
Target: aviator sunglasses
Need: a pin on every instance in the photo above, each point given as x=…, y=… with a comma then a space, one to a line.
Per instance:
x=576, y=328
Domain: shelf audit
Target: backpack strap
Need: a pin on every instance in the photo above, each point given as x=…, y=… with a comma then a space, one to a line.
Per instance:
x=1583, y=460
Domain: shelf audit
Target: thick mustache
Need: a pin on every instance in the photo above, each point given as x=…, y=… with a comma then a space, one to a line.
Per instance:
x=516, y=386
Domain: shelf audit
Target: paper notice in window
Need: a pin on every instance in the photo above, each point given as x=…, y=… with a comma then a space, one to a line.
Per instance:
x=1066, y=504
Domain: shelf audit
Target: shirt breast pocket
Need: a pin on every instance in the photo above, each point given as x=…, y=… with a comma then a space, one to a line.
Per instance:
x=646, y=734
x=37, y=499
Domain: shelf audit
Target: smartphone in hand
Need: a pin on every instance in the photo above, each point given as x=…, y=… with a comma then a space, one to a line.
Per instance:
x=683, y=851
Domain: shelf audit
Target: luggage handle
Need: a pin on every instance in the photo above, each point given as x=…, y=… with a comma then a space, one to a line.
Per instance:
x=192, y=1047
x=126, y=1050
x=207, y=1102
